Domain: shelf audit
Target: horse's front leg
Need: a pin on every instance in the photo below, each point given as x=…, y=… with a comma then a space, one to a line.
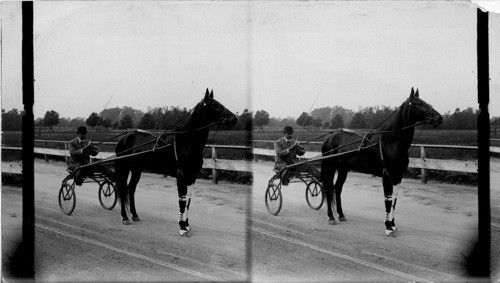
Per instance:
x=393, y=210
x=132, y=186
x=184, y=202
x=388, y=201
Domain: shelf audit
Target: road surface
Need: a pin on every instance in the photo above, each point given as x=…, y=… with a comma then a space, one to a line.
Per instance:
x=234, y=238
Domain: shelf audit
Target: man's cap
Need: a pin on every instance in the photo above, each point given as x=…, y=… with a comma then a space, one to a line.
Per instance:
x=288, y=129
x=82, y=130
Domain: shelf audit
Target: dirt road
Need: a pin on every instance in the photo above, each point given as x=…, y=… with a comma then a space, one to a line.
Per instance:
x=93, y=245
x=437, y=226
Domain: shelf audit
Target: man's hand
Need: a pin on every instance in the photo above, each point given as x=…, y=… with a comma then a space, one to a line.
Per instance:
x=294, y=146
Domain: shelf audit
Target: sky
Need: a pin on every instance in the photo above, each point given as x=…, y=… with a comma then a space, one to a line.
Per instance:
x=284, y=57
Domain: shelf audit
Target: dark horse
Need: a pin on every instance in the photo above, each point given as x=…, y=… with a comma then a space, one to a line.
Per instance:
x=177, y=153
x=384, y=154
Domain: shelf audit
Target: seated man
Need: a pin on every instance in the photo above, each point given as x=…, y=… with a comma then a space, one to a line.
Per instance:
x=287, y=150
x=80, y=151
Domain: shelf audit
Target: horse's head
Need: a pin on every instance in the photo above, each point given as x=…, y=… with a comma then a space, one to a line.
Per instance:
x=421, y=111
x=214, y=111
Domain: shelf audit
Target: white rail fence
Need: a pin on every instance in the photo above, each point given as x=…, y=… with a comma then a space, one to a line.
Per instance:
x=423, y=163
x=215, y=163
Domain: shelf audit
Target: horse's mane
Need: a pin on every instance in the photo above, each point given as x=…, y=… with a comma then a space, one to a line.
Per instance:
x=395, y=123
x=192, y=120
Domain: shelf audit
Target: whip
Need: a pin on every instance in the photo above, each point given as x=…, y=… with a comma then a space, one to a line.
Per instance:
x=310, y=108
x=100, y=117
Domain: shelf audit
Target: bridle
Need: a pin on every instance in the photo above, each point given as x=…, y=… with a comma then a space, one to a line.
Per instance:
x=428, y=115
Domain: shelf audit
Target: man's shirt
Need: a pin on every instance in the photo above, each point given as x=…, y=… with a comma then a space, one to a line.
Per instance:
x=79, y=157
x=284, y=156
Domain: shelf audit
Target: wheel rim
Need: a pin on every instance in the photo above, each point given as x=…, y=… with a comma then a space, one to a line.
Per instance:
x=67, y=198
x=107, y=195
x=273, y=199
x=314, y=195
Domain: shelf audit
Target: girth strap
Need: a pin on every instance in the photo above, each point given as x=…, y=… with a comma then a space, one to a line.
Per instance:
x=175, y=149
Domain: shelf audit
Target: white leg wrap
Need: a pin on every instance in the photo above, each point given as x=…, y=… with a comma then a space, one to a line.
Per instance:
x=396, y=190
x=388, y=215
x=182, y=216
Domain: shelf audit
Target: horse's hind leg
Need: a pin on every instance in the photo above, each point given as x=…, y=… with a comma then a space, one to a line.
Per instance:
x=132, y=185
x=121, y=174
x=341, y=177
x=327, y=175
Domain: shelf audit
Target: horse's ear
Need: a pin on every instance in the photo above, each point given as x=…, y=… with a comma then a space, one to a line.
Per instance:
x=416, y=93
x=212, y=93
x=412, y=93
x=206, y=95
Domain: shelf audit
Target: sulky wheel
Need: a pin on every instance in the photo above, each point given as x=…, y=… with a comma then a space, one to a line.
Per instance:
x=107, y=195
x=67, y=198
x=274, y=199
x=314, y=195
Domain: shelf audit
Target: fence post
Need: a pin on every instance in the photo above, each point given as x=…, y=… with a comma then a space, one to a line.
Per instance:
x=423, y=171
x=254, y=155
x=214, y=158
x=66, y=152
x=46, y=156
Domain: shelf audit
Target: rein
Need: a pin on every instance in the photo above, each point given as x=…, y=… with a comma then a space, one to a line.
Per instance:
x=373, y=131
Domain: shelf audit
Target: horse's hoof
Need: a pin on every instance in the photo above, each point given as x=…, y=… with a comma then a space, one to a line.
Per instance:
x=126, y=222
x=184, y=233
x=332, y=222
x=136, y=219
x=389, y=233
x=342, y=219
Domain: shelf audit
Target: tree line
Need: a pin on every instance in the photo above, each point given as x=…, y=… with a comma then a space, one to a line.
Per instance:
x=162, y=118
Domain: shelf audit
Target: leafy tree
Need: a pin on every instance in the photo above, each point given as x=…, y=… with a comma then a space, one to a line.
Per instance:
x=358, y=121
x=147, y=122
x=115, y=114
x=126, y=122
x=323, y=113
x=134, y=114
x=261, y=119
x=245, y=121
x=12, y=120
x=280, y=123
x=51, y=119
x=346, y=114
x=337, y=122
x=76, y=122
x=106, y=123
x=93, y=120
x=304, y=120
x=317, y=123
x=111, y=113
